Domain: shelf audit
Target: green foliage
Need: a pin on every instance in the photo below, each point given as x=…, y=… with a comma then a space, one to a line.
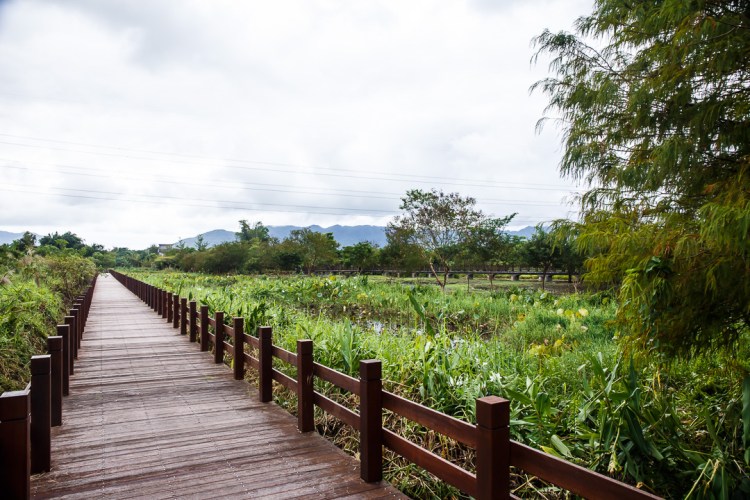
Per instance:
x=315, y=249
x=225, y=258
x=34, y=292
x=360, y=256
x=657, y=121
x=442, y=226
x=28, y=314
x=679, y=430
x=67, y=275
x=257, y=232
x=541, y=251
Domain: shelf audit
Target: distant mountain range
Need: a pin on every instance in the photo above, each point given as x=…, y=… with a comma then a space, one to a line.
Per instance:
x=6, y=237
x=345, y=235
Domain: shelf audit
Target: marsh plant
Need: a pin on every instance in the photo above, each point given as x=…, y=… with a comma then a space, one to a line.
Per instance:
x=680, y=429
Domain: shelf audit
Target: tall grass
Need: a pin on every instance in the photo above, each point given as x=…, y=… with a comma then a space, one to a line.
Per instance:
x=676, y=429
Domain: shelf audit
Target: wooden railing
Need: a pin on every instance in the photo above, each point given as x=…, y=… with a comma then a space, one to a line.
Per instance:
x=26, y=416
x=495, y=451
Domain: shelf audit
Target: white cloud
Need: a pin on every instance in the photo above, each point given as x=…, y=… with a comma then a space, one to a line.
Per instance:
x=340, y=98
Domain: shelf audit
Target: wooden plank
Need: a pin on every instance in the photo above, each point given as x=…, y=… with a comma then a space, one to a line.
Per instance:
x=141, y=422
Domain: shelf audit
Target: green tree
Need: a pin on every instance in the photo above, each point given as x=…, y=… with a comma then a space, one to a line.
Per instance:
x=440, y=224
x=401, y=252
x=315, y=249
x=360, y=256
x=26, y=243
x=227, y=257
x=541, y=252
x=255, y=232
x=200, y=243
x=104, y=260
x=61, y=241
x=656, y=120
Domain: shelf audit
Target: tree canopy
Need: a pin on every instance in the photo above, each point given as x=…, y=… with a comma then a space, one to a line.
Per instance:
x=445, y=225
x=654, y=101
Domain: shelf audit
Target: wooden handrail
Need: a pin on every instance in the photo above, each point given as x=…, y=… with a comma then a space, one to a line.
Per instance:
x=340, y=380
x=496, y=452
x=572, y=477
x=461, y=431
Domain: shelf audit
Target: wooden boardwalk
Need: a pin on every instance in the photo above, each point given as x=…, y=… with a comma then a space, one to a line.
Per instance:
x=150, y=416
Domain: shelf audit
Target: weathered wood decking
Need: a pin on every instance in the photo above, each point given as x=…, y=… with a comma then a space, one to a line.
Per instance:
x=150, y=416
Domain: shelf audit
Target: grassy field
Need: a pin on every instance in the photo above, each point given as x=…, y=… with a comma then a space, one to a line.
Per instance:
x=676, y=428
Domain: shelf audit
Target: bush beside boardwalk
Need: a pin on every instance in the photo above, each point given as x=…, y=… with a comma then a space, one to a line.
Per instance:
x=35, y=292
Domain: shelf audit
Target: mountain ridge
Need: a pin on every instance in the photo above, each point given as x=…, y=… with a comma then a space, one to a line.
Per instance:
x=8, y=237
x=344, y=235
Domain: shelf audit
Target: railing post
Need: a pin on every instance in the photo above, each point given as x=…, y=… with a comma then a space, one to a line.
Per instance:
x=493, y=448
x=64, y=332
x=74, y=329
x=70, y=322
x=204, y=328
x=193, y=321
x=305, y=396
x=54, y=347
x=40, y=413
x=168, y=306
x=239, y=348
x=219, y=336
x=15, y=444
x=265, y=360
x=183, y=316
x=77, y=305
x=370, y=420
x=175, y=311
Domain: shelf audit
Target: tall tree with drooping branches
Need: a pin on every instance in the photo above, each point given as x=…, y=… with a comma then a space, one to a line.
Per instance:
x=654, y=101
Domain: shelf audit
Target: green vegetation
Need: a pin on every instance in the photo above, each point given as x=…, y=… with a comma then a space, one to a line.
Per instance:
x=656, y=119
x=677, y=429
x=35, y=291
x=442, y=226
x=438, y=237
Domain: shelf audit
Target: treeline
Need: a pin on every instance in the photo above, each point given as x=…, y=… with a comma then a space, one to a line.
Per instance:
x=54, y=244
x=307, y=251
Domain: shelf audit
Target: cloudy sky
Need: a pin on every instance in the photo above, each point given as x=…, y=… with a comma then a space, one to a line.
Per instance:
x=132, y=123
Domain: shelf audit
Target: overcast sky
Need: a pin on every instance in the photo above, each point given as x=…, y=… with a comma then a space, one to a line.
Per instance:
x=132, y=123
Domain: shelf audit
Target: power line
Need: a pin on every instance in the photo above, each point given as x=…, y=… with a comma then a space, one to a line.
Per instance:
x=96, y=191
x=306, y=211
x=285, y=207
x=241, y=184
x=390, y=177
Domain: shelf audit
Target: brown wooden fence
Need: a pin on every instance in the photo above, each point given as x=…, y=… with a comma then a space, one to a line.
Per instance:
x=495, y=451
x=26, y=416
